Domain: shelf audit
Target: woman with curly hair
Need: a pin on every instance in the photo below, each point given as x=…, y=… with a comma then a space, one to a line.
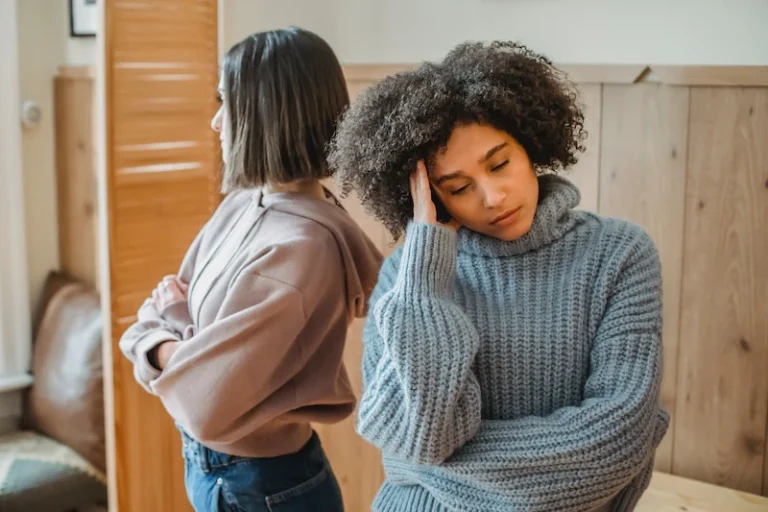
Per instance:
x=513, y=351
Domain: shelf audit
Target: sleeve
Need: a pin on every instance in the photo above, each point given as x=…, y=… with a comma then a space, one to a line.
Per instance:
x=152, y=328
x=223, y=382
x=577, y=457
x=421, y=400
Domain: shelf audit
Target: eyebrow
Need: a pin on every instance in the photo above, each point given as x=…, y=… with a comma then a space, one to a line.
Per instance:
x=492, y=152
x=485, y=158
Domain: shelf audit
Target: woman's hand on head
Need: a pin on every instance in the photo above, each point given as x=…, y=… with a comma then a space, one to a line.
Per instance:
x=424, y=210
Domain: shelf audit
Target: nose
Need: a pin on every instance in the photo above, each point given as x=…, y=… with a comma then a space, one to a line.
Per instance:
x=216, y=121
x=493, y=197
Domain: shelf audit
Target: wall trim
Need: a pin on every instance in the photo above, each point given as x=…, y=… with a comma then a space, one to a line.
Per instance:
x=77, y=71
x=744, y=76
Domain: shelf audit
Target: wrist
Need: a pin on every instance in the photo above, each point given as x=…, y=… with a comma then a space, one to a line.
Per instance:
x=428, y=265
x=161, y=353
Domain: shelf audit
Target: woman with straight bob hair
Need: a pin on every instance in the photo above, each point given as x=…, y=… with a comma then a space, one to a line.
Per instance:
x=244, y=345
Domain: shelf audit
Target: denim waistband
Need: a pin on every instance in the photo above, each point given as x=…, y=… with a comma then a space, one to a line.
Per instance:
x=207, y=459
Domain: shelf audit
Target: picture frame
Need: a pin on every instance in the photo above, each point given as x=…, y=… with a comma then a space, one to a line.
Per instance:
x=83, y=18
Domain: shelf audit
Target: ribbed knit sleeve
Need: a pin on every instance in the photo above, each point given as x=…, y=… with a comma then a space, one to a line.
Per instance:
x=577, y=457
x=420, y=400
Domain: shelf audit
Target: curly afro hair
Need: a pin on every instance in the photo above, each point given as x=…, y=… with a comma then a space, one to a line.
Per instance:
x=410, y=115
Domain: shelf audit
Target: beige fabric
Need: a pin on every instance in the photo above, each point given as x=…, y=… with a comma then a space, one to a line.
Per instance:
x=66, y=401
x=274, y=282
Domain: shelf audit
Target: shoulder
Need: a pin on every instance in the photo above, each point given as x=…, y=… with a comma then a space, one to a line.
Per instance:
x=232, y=206
x=290, y=230
x=295, y=250
x=624, y=255
x=614, y=238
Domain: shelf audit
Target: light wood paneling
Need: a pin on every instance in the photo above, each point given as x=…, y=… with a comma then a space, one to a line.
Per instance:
x=753, y=76
x=600, y=74
x=643, y=164
x=668, y=493
x=76, y=174
x=723, y=383
x=710, y=75
x=356, y=463
x=586, y=173
x=162, y=181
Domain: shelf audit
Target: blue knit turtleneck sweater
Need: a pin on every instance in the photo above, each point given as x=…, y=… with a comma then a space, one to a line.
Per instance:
x=516, y=376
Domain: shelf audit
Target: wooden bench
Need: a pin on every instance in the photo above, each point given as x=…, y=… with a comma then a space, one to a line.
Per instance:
x=668, y=493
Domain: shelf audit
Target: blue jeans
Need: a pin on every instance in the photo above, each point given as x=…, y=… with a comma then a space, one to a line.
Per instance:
x=298, y=482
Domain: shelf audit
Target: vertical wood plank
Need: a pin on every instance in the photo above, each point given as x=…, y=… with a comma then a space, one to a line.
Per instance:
x=643, y=180
x=76, y=176
x=356, y=463
x=723, y=383
x=586, y=173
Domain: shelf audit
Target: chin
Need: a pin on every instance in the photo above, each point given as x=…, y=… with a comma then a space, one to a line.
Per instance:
x=513, y=232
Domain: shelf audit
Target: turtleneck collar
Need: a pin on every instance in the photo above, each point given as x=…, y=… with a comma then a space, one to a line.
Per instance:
x=552, y=220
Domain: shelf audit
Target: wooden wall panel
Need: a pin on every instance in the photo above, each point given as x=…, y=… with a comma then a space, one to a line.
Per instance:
x=586, y=173
x=723, y=382
x=643, y=164
x=162, y=179
x=76, y=174
x=356, y=463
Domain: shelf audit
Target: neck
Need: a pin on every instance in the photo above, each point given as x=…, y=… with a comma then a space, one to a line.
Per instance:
x=307, y=187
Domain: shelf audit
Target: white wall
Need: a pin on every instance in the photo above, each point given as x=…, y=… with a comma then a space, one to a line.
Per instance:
x=80, y=51
x=44, y=44
x=40, y=52
x=701, y=32
x=15, y=349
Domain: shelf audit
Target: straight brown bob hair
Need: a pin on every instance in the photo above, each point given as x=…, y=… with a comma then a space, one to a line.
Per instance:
x=285, y=92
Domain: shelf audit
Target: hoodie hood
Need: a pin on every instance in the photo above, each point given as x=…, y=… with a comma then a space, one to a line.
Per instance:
x=360, y=256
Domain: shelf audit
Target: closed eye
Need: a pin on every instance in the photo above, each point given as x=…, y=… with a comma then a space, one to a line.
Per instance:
x=500, y=166
x=459, y=191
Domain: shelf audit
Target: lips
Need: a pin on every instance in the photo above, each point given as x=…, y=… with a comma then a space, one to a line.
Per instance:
x=506, y=216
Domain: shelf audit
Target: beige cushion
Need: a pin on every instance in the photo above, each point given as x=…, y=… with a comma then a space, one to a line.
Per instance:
x=66, y=401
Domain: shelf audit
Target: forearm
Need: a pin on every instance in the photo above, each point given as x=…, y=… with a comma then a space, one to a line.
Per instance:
x=422, y=400
x=490, y=477
x=141, y=339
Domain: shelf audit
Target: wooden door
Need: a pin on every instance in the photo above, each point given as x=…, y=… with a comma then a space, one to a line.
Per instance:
x=161, y=66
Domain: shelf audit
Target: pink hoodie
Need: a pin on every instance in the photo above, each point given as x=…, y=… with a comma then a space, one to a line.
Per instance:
x=274, y=282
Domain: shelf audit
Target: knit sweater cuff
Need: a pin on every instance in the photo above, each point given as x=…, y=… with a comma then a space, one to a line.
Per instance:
x=428, y=265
